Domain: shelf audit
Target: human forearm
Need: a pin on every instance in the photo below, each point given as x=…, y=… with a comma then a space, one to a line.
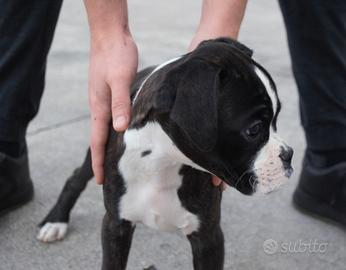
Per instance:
x=107, y=18
x=223, y=16
x=219, y=18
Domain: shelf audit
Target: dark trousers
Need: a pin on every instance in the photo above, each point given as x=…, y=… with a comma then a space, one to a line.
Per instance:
x=316, y=32
x=26, y=32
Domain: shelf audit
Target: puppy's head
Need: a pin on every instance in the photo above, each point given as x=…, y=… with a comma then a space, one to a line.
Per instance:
x=220, y=108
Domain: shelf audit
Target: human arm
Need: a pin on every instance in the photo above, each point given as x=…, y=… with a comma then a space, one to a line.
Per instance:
x=219, y=18
x=112, y=68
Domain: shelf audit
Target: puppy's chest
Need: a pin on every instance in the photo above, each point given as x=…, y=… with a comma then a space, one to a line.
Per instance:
x=150, y=169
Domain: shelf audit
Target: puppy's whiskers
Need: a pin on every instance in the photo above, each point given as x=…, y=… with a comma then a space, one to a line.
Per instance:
x=253, y=184
x=241, y=176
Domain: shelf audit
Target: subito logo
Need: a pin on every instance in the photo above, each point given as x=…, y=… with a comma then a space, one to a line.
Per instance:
x=270, y=246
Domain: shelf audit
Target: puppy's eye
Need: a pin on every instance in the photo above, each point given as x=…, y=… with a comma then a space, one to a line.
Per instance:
x=253, y=131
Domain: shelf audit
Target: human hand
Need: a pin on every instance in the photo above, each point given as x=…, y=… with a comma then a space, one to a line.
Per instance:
x=113, y=66
x=220, y=18
x=201, y=35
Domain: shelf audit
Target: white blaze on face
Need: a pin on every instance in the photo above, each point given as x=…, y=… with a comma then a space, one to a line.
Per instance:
x=268, y=166
x=270, y=91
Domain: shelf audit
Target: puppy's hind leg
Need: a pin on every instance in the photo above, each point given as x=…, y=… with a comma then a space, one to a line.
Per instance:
x=207, y=249
x=54, y=225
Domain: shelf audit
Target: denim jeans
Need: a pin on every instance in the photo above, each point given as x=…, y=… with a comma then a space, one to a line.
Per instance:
x=26, y=32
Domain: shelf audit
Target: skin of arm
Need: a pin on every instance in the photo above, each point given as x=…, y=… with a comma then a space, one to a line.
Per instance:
x=114, y=62
x=113, y=66
x=220, y=18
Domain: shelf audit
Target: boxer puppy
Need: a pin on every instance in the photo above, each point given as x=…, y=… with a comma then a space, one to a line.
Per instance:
x=210, y=112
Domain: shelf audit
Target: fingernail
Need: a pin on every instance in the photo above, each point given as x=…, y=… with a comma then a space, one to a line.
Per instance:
x=120, y=122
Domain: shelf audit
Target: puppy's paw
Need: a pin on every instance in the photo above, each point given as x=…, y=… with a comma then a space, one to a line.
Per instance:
x=52, y=232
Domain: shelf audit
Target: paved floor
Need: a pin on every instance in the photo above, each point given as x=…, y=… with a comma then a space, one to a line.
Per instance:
x=58, y=139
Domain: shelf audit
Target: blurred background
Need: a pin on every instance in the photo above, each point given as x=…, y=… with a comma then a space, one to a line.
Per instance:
x=257, y=229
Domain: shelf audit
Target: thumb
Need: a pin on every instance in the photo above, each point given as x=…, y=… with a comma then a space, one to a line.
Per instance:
x=121, y=107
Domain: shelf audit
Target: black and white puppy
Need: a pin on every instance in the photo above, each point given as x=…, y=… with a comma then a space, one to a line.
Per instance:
x=212, y=111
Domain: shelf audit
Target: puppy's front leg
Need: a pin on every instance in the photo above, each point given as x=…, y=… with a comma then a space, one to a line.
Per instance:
x=116, y=232
x=207, y=249
x=54, y=225
x=116, y=243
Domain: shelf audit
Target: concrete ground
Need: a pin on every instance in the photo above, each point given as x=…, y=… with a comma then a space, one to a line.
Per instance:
x=260, y=233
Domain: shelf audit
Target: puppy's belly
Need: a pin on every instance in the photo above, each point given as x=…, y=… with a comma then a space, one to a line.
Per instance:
x=157, y=207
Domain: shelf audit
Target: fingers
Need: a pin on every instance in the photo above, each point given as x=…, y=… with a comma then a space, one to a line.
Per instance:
x=218, y=182
x=112, y=68
x=99, y=98
x=99, y=136
x=104, y=107
x=121, y=107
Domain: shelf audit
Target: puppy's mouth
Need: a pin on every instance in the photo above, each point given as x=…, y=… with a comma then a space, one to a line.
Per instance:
x=245, y=183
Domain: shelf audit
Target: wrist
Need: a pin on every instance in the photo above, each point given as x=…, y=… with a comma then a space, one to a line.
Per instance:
x=222, y=17
x=106, y=39
x=108, y=21
x=214, y=29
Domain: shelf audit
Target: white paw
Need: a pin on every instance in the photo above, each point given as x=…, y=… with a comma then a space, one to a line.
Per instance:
x=52, y=232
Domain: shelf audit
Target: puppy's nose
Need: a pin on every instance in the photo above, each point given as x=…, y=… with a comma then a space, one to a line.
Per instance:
x=286, y=155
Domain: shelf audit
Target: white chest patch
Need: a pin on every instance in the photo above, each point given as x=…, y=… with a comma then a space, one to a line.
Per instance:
x=150, y=167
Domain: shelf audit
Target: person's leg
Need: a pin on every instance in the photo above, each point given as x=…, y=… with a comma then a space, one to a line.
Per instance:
x=316, y=32
x=26, y=33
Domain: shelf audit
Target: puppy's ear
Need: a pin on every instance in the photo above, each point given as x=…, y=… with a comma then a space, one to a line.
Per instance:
x=189, y=95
